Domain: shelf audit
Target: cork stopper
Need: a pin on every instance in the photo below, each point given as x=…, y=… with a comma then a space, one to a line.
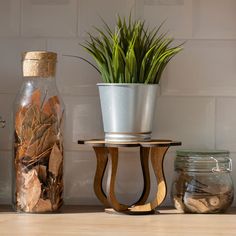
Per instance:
x=39, y=64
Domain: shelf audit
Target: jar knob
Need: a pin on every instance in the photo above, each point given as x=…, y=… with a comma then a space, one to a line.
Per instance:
x=2, y=122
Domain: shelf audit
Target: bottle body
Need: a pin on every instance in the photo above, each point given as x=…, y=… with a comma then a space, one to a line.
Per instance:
x=202, y=183
x=38, y=146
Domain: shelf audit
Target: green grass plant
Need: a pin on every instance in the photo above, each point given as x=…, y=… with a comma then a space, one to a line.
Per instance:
x=131, y=53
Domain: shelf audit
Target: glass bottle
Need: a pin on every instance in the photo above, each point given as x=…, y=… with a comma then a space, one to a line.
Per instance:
x=202, y=182
x=38, y=137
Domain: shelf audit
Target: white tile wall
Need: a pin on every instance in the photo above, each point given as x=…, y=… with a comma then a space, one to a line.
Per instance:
x=197, y=101
x=189, y=119
x=10, y=57
x=225, y=123
x=177, y=15
x=49, y=18
x=81, y=111
x=9, y=18
x=92, y=12
x=205, y=67
x=74, y=76
x=214, y=19
x=79, y=170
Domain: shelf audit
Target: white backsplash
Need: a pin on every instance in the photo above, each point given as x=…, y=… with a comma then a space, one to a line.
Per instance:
x=198, y=90
x=49, y=18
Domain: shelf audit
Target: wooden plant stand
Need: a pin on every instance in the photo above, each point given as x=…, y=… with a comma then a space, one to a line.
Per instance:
x=105, y=151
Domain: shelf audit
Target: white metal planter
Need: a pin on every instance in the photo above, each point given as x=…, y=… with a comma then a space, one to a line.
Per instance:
x=127, y=111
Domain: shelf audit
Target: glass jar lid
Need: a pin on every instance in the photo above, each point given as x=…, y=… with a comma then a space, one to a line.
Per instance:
x=203, y=160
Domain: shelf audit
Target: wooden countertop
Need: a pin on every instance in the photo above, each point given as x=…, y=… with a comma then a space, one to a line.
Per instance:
x=81, y=220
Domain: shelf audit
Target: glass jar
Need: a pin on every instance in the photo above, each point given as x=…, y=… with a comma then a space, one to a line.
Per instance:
x=202, y=182
x=38, y=138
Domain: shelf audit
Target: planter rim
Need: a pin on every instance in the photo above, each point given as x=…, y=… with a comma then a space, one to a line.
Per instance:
x=125, y=84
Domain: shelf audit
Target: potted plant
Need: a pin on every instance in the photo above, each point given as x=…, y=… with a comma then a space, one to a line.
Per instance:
x=131, y=60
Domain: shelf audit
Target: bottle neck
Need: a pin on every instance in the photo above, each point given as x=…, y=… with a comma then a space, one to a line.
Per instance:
x=44, y=84
x=39, y=80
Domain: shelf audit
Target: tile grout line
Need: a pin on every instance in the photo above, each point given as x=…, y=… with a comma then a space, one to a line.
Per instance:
x=20, y=21
x=77, y=19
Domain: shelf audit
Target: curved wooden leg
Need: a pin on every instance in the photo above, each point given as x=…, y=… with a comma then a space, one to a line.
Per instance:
x=157, y=157
x=144, y=158
x=113, y=163
x=102, y=158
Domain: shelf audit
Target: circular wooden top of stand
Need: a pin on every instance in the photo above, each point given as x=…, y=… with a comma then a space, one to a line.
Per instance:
x=149, y=143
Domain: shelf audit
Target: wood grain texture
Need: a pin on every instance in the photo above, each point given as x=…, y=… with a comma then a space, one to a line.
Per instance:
x=110, y=150
x=149, y=143
x=102, y=158
x=92, y=221
x=102, y=154
x=144, y=160
x=157, y=157
x=113, y=163
x=160, y=144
